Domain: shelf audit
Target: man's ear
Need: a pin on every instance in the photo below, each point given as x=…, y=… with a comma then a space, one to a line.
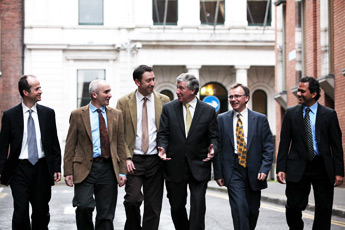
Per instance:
x=137, y=82
x=26, y=93
x=313, y=95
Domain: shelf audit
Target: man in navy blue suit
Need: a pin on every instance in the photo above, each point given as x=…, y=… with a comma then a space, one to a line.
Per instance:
x=245, y=157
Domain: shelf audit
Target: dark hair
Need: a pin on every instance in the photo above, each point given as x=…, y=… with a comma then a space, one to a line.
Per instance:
x=314, y=86
x=138, y=72
x=192, y=81
x=23, y=84
x=245, y=88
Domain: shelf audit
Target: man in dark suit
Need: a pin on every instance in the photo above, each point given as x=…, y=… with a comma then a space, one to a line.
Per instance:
x=245, y=157
x=30, y=156
x=143, y=165
x=310, y=153
x=95, y=158
x=187, y=140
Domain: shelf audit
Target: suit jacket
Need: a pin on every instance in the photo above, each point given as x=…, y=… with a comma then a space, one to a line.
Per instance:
x=78, y=156
x=293, y=145
x=259, y=148
x=11, y=138
x=128, y=105
x=191, y=150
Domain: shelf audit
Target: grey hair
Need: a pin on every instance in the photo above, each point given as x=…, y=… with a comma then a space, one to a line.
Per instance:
x=93, y=87
x=192, y=81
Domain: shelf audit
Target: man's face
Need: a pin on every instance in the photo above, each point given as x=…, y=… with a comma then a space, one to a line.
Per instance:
x=147, y=83
x=238, y=99
x=35, y=91
x=304, y=96
x=184, y=94
x=102, y=96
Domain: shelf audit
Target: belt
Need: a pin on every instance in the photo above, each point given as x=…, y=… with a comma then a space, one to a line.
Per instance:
x=100, y=159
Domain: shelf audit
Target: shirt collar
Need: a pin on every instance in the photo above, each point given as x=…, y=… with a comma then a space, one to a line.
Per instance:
x=25, y=108
x=243, y=113
x=94, y=109
x=312, y=108
x=140, y=97
x=193, y=102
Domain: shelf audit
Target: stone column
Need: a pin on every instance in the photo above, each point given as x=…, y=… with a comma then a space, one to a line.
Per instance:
x=242, y=74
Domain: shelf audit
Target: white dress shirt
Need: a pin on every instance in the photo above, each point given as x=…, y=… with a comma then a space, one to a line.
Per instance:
x=150, y=104
x=24, y=154
x=191, y=110
x=244, y=119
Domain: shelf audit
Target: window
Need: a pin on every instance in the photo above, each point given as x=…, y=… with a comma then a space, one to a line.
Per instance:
x=164, y=12
x=90, y=12
x=260, y=101
x=209, y=11
x=259, y=12
x=298, y=12
x=84, y=77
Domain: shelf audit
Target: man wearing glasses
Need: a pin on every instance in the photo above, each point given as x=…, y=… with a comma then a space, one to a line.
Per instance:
x=243, y=162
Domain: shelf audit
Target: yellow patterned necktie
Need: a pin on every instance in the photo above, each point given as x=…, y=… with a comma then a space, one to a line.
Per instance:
x=241, y=144
x=188, y=118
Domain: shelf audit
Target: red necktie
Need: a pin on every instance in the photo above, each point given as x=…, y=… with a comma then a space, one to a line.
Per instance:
x=103, y=134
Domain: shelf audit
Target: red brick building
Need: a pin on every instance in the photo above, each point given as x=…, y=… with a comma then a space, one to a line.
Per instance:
x=11, y=51
x=310, y=42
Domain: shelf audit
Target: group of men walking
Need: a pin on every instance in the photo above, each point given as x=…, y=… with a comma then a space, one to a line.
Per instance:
x=148, y=139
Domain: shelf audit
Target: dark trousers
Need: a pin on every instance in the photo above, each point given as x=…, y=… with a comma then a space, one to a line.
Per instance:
x=149, y=176
x=297, y=194
x=244, y=201
x=99, y=190
x=177, y=195
x=31, y=184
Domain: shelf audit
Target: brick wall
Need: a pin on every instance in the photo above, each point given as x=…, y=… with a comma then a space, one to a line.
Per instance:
x=11, y=52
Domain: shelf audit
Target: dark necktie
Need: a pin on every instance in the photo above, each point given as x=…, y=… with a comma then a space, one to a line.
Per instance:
x=309, y=135
x=145, y=128
x=241, y=144
x=32, y=142
x=103, y=134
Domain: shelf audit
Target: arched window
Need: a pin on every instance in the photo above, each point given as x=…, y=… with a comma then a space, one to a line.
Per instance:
x=218, y=90
x=168, y=93
x=260, y=101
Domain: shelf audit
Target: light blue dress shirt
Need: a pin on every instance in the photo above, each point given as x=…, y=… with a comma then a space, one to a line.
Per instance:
x=96, y=141
x=312, y=116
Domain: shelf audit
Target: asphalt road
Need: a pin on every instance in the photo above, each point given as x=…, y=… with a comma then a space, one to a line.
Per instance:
x=218, y=214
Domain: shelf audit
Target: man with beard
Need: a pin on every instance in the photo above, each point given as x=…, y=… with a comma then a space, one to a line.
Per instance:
x=95, y=158
x=141, y=113
x=310, y=153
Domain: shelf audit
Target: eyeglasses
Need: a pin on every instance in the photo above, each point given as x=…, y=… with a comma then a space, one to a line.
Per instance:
x=236, y=96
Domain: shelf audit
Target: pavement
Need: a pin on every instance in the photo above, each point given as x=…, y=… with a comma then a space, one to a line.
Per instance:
x=275, y=193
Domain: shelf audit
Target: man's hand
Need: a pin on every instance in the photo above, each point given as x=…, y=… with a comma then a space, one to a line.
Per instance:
x=122, y=180
x=57, y=176
x=69, y=180
x=281, y=177
x=210, y=153
x=162, y=154
x=130, y=166
x=220, y=182
x=262, y=176
x=338, y=181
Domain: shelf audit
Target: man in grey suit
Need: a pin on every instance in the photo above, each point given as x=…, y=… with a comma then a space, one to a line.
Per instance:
x=245, y=157
x=187, y=140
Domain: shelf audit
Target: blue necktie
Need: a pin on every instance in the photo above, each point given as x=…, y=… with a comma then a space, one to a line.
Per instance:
x=32, y=142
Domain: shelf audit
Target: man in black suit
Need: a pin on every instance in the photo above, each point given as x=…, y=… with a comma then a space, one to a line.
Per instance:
x=310, y=153
x=243, y=168
x=30, y=156
x=187, y=140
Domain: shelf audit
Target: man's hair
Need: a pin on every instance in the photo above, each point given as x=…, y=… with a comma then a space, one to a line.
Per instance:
x=192, y=81
x=23, y=84
x=140, y=70
x=314, y=86
x=93, y=87
x=245, y=88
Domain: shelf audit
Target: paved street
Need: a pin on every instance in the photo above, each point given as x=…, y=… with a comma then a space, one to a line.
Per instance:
x=217, y=215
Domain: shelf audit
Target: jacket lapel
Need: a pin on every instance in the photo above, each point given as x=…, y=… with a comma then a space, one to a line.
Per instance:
x=229, y=120
x=198, y=111
x=19, y=117
x=251, y=126
x=179, y=115
x=41, y=117
x=110, y=122
x=158, y=108
x=300, y=123
x=85, y=115
x=132, y=107
x=319, y=117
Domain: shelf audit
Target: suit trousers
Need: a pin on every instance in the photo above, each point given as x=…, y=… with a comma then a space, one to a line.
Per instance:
x=297, y=194
x=177, y=195
x=244, y=201
x=149, y=177
x=31, y=184
x=99, y=189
